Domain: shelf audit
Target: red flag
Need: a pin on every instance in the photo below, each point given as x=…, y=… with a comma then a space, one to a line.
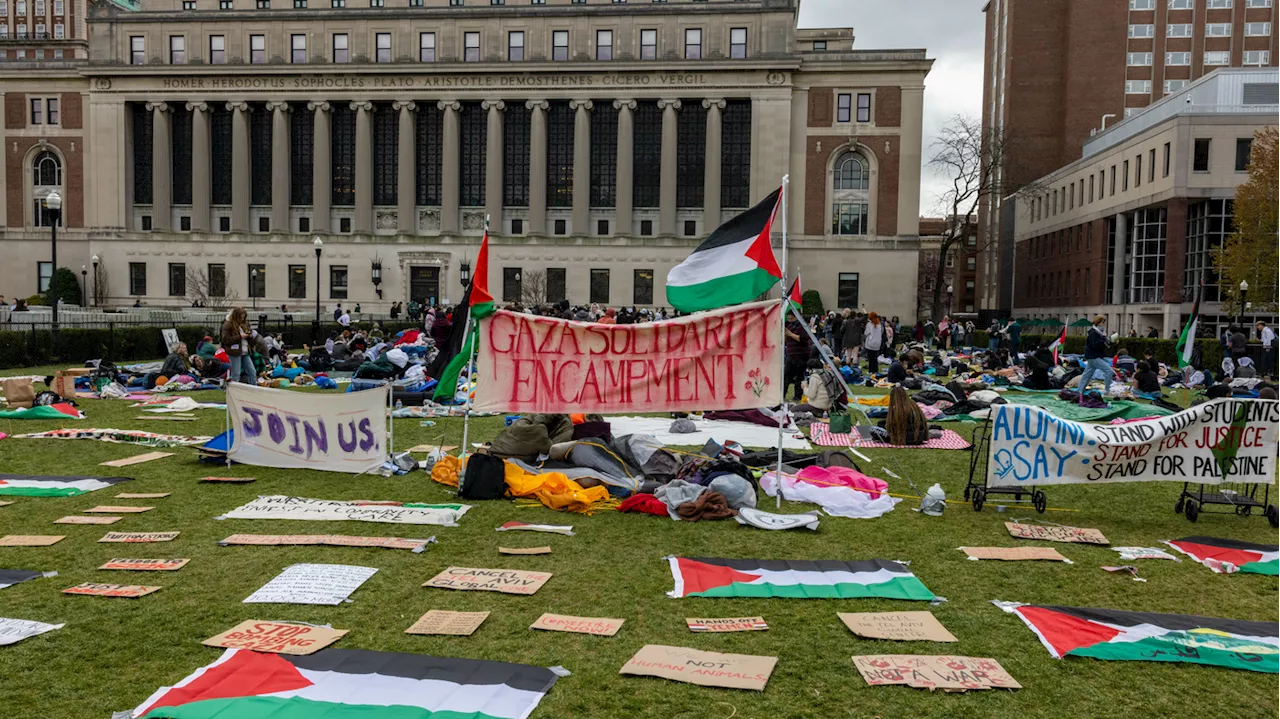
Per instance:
x=480, y=276
x=794, y=294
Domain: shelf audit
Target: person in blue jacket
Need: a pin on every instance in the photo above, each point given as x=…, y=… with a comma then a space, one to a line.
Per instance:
x=1095, y=357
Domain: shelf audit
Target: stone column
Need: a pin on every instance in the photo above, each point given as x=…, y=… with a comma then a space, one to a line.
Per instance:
x=537, y=166
x=281, y=188
x=363, y=222
x=161, y=167
x=667, y=187
x=711, y=171
x=1122, y=249
x=581, y=166
x=201, y=172
x=449, y=175
x=493, y=151
x=909, y=161
x=624, y=203
x=240, y=168
x=322, y=167
x=406, y=155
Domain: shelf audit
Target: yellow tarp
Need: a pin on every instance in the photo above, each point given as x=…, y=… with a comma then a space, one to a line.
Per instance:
x=556, y=491
x=445, y=470
x=881, y=401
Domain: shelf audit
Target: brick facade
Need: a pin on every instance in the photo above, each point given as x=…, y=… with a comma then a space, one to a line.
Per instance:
x=72, y=111
x=821, y=107
x=888, y=106
x=883, y=149
x=72, y=178
x=15, y=110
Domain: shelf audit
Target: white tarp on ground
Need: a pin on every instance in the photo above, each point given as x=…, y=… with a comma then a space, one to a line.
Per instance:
x=301, y=430
x=721, y=430
x=324, y=510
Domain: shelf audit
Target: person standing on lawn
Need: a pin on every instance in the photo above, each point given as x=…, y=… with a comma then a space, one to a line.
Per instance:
x=1095, y=357
x=236, y=341
x=1268, y=338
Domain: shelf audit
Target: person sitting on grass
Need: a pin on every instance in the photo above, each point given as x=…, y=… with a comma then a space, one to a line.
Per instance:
x=1146, y=380
x=823, y=390
x=211, y=368
x=1038, y=364
x=898, y=371
x=175, y=364
x=905, y=423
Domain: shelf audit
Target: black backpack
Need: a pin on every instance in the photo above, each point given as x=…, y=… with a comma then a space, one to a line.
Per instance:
x=319, y=360
x=485, y=478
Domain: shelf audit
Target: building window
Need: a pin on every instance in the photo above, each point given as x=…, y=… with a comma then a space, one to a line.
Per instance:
x=1200, y=155
x=59, y=31
x=515, y=46
x=473, y=130
x=471, y=47
x=647, y=156
x=226, y=5
x=561, y=227
x=1137, y=171
x=1142, y=4
x=1217, y=57
x=298, y=49
x=1257, y=57
x=692, y=44
x=1139, y=59
x=556, y=284
x=1244, y=146
x=338, y=282
x=46, y=179
x=646, y=228
x=264, y=4
x=560, y=45
x=515, y=175
x=427, y=47
x=971, y=262
x=377, y=3
x=1219, y=4
x=599, y=287
x=1147, y=269
x=851, y=172
x=415, y=3
x=1181, y=5
x=58, y=7
x=342, y=153
x=1091, y=179
x=604, y=44
x=51, y=114
x=1172, y=86
x=510, y=284
x=864, y=107
x=602, y=227
x=1137, y=87
x=1257, y=3
x=1217, y=29
x=648, y=44
x=1170, y=58
x=1167, y=149
x=137, y=278
x=604, y=160
x=735, y=154
x=337, y=3
x=382, y=42
x=844, y=107
x=301, y=131
x=560, y=136
x=738, y=42
x=691, y=164
x=386, y=160
x=1177, y=30
x=217, y=280
x=1112, y=183
x=177, y=279
x=642, y=287
x=37, y=111
x=300, y=4
x=177, y=49
x=341, y=48
x=1151, y=165
x=257, y=49
x=1124, y=180
x=217, y=49
x=849, y=218
x=297, y=282
x=819, y=44
x=137, y=49
x=1209, y=223
x=429, y=145
x=690, y=228
x=847, y=289
x=1141, y=31
x=517, y=227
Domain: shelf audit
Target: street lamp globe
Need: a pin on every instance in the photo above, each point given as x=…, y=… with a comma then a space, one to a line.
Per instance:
x=1244, y=285
x=318, y=244
x=53, y=201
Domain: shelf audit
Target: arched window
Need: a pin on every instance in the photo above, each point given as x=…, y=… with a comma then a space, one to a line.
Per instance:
x=850, y=187
x=46, y=177
x=851, y=172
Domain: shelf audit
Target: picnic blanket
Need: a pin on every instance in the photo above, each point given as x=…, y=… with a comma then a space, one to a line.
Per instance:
x=1120, y=408
x=820, y=433
x=720, y=430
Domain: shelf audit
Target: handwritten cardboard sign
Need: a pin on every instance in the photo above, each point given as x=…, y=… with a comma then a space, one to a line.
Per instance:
x=13, y=631
x=900, y=626
x=439, y=621
x=598, y=626
x=137, y=459
x=276, y=637
x=1056, y=534
x=1015, y=554
x=139, y=536
x=708, y=669
x=295, y=430
x=333, y=540
x=507, y=581
x=730, y=624
x=108, y=509
x=78, y=519
x=524, y=550
x=954, y=674
x=111, y=590
x=229, y=480
x=146, y=565
x=143, y=495
x=30, y=540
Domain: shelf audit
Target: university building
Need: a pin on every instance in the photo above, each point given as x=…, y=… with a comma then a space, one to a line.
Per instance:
x=204, y=146
x=1128, y=231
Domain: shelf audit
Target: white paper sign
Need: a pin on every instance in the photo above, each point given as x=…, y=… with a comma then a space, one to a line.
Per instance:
x=331, y=432
x=324, y=510
x=328, y=584
x=13, y=631
x=170, y=339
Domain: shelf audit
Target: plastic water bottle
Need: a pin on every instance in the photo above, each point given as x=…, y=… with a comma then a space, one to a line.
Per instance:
x=934, y=501
x=399, y=404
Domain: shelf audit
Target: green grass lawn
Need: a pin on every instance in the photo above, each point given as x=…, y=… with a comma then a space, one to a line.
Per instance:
x=114, y=652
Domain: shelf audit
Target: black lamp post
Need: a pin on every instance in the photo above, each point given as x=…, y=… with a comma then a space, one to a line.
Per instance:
x=84, y=285
x=376, y=267
x=465, y=271
x=253, y=284
x=53, y=203
x=315, y=325
x=1244, y=293
x=95, y=280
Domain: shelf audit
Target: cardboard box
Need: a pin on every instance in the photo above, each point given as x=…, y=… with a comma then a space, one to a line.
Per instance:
x=64, y=381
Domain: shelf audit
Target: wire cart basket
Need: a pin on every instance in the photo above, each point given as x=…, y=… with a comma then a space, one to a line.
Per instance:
x=977, y=492
x=1241, y=497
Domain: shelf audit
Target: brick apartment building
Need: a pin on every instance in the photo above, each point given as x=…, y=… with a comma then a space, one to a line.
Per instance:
x=959, y=288
x=1057, y=71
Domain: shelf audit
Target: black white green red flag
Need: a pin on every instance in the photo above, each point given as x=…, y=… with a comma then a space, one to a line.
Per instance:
x=734, y=264
x=351, y=684
x=1227, y=556
x=1187, y=340
x=1058, y=343
x=24, y=485
x=1111, y=634
x=787, y=579
x=795, y=295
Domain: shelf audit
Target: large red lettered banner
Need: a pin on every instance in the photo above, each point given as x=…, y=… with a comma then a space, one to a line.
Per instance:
x=726, y=359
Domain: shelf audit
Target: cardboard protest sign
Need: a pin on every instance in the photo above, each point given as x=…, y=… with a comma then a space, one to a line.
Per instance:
x=335, y=540
x=139, y=536
x=146, y=565
x=324, y=510
x=506, y=581
x=328, y=584
x=77, y=519
x=136, y=459
x=276, y=637
x=954, y=674
x=898, y=626
x=439, y=621
x=294, y=430
x=30, y=540
x=228, y=480
x=1015, y=554
x=721, y=359
x=731, y=624
x=5, y=504
x=170, y=339
x=708, y=669
x=107, y=509
x=143, y=495
x=1230, y=440
x=13, y=631
x=598, y=626
x=1055, y=534
x=130, y=591
x=432, y=448
x=524, y=550
x=565, y=529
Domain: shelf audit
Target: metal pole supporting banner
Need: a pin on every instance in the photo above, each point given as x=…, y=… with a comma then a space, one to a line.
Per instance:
x=782, y=326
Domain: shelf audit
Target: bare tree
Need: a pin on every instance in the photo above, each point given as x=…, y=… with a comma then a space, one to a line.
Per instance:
x=977, y=162
x=200, y=289
x=533, y=288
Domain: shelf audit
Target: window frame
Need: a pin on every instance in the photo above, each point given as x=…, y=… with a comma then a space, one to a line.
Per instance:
x=1217, y=58
x=1198, y=154
x=737, y=49
x=177, y=55
x=379, y=55
x=1169, y=58
x=649, y=51
x=345, y=58
x=36, y=112
x=864, y=111
x=1146, y=57
x=137, y=49
x=604, y=52
x=260, y=53
x=336, y=291
x=214, y=57
x=294, y=49
x=695, y=47
x=515, y=50
x=294, y=271
x=1247, y=143
x=844, y=107
x=559, y=51
x=137, y=279
x=178, y=288
x=468, y=48
x=426, y=51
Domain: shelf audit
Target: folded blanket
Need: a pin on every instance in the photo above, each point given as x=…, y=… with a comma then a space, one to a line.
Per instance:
x=708, y=505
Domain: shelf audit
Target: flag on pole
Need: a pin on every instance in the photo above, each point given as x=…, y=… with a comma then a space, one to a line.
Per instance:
x=462, y=338
x=794, y=294
x=1187, y=342
x=1061, y=340
x=735, y=264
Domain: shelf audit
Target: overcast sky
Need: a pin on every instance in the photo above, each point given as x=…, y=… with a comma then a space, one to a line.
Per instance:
x=951, y=31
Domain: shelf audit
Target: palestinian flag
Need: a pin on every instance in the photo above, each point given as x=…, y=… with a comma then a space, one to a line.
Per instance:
x=61, y=410
x=1227, y=556
x=1144, y=636
x=1187, y=341
x=351, y=684
x=10, y=577
x=1061, y=340
x=735, y=264
x=786, y=579
x=795, y=295
x=24, y=485
x=464, y=334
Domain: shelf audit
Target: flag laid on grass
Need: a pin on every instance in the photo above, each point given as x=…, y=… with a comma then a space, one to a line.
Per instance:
x=1226, y=556
x=1145, y=636
x=1187, y=341
x=478, y=302
x=10, y=577
x=734, y=264
x=351, y=684
x=61, y=410
x=1058, y=343
x=702, y=577
x=23, y=485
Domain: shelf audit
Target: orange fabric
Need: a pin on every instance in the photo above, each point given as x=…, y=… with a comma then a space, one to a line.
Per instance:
x=445, y=470
x=577, y=418
x=554, y=489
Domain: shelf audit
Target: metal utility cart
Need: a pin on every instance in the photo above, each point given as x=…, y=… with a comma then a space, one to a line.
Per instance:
x=977, y=492
x=1241, y=497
